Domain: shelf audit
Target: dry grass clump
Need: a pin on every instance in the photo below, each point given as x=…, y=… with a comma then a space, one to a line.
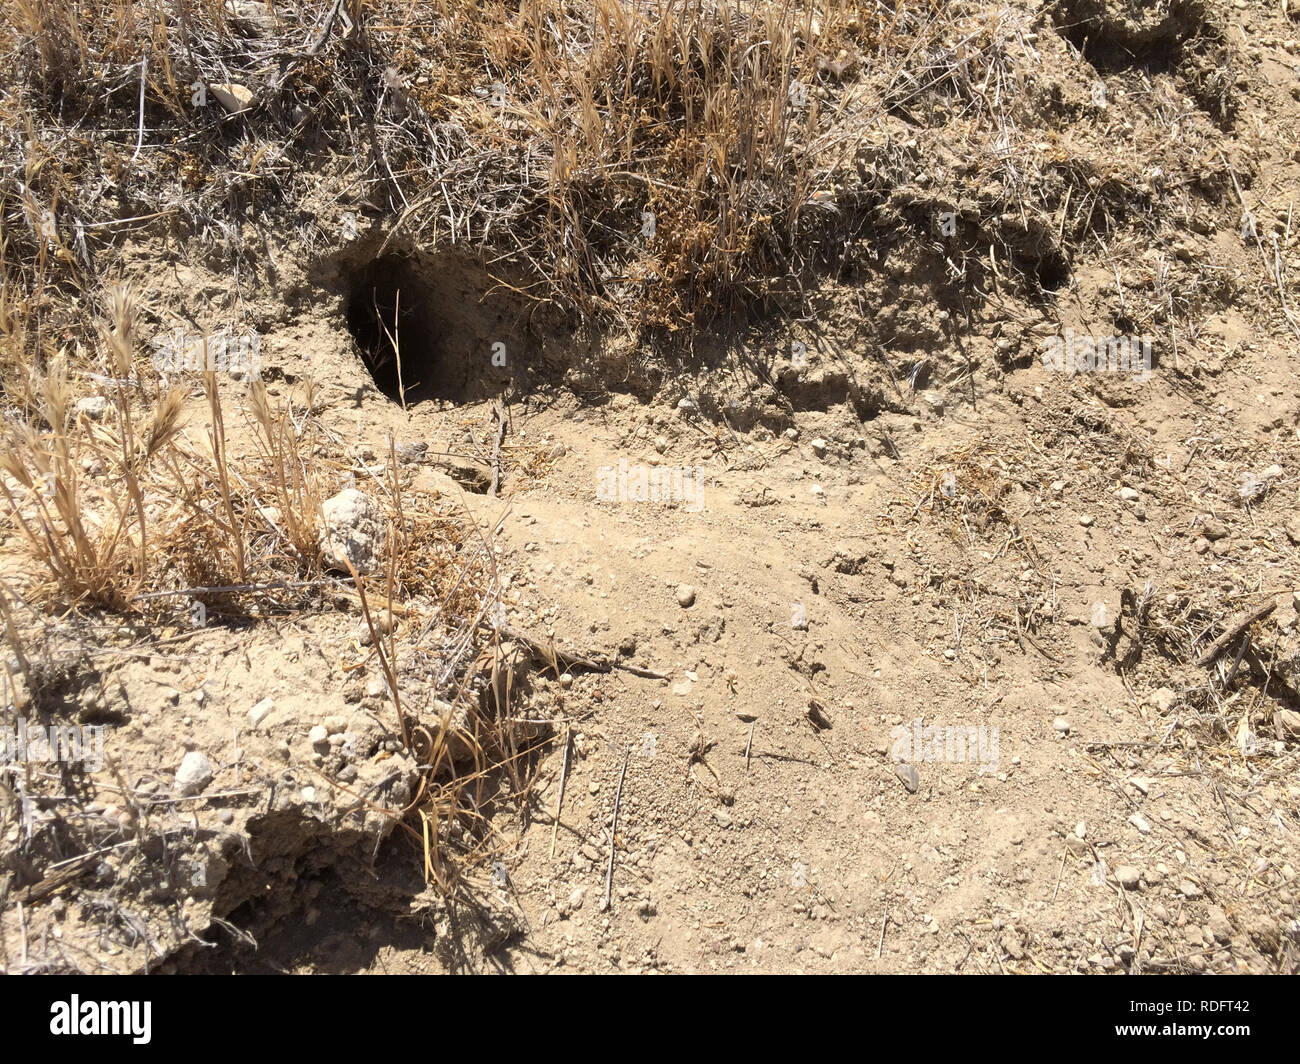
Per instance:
x=650, y=163
x=122, y=500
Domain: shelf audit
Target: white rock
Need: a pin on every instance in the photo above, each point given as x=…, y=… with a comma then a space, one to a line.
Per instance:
x=685, y=596
x=194, y=774
x=819, y=447
x=1163, y=698
x=318, y=734
x=93, y=406
x=250, y=11
x=260, y=712
x=233, y=97
x=354, y=531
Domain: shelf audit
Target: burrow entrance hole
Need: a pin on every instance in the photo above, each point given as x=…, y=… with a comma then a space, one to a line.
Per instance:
x=425, y=328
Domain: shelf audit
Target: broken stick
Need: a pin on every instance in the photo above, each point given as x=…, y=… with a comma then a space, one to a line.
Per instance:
x=613, y=833
x=1235, y=627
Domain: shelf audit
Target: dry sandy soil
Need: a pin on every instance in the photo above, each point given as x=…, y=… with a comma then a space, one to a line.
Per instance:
x=935, y=658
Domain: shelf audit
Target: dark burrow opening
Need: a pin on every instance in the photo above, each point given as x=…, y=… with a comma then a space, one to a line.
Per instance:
x=420, y=328
x=1052, y=271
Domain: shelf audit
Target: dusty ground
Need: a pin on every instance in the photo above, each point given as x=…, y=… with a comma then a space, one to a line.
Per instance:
x=901, y=521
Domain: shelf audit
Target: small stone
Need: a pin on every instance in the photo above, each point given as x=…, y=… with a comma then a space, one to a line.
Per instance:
x=1128, y=877
x=233, y=97
x=414, y=451
x=910, y=778
x=559, y=451
x=260, y=712
x=318, y=735
x=256, y=15
x=1129, y=495
x=1061, y=725
x=383, y=625
x=354, y=531
x=1212, y=528
x=1163, y=698
x=661, y=445
x=1087, y=520
x=685, y=596
x=1218, y=926
x=576, y=899
x=94, y=407
x=1141, y=823
x=1188, y=889
x=194, y=774
x=819, y=447
x=566, y=680
x=1288, y=722
x=686, y=406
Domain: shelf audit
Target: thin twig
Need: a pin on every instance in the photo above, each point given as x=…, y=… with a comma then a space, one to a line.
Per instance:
x=559, y=798
x=613, y=833
x=1235, y=627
